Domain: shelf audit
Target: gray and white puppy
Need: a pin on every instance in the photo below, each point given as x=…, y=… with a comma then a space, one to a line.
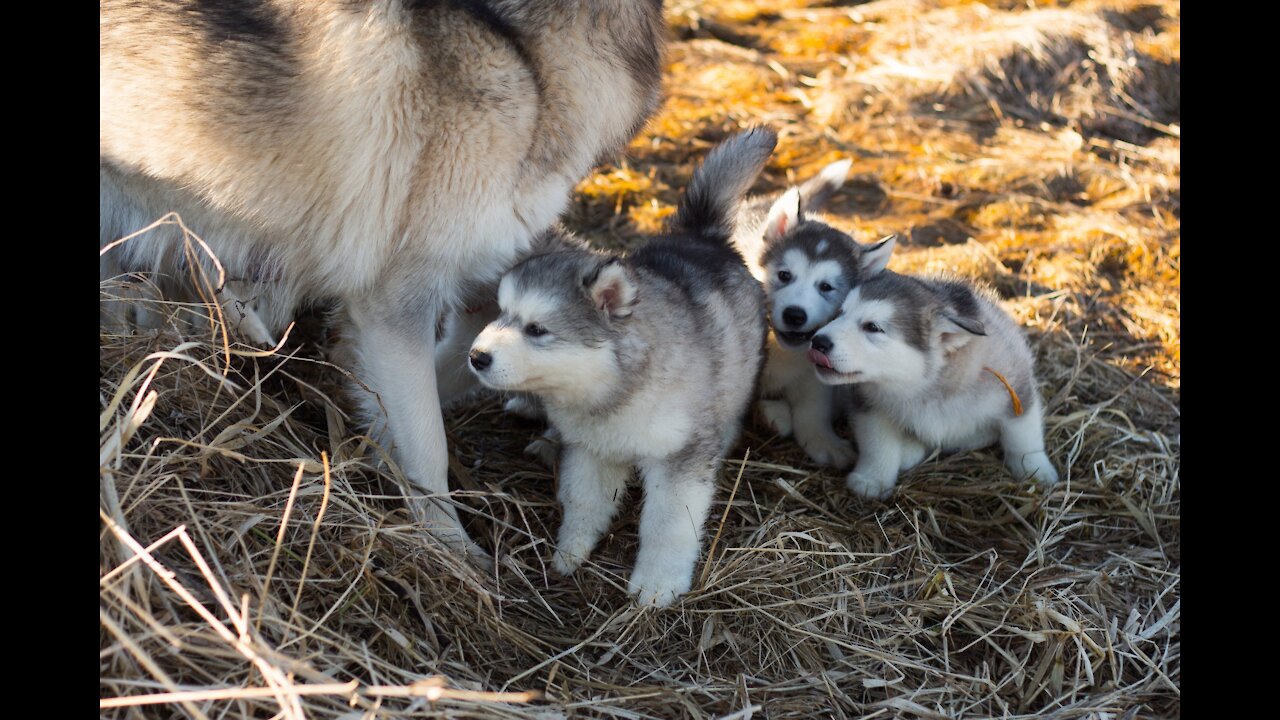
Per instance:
x=807, y=268
x=458, y=329
x=647, y=361
x=935, y=363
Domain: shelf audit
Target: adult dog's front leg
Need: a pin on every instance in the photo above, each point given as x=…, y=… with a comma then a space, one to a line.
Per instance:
x=395, y=355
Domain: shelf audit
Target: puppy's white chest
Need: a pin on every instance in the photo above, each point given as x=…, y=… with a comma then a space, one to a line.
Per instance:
x=634, y=431
x=953, y=424
x=785, y=367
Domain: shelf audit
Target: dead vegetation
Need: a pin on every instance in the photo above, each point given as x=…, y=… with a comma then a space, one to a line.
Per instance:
x=1035, y=149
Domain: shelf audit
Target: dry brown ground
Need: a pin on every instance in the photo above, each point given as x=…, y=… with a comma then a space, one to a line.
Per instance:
x=1031, y=145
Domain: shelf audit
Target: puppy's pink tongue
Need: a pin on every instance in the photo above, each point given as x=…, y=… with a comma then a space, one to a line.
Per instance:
x=818, y=359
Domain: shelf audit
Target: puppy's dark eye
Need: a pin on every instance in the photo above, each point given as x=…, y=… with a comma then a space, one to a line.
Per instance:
x=871, y=327
x=534, y=330
x=784, y=276
x=825, y=287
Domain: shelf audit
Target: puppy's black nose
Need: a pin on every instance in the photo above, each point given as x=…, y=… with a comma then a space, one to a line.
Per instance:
x=481, y=360
x=822, y=344
x=794, y=316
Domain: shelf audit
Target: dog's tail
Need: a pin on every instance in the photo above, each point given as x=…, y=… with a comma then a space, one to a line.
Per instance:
x=709, y=207
x=815, y=191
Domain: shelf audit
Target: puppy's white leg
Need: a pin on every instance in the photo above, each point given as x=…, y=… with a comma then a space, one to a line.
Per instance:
x=912, y=451
x=1022, y=439
x=780, y=366
x=777, y=415
x=811, y=414
x=396, y=357
x=590, y=490
x=880, y=455
x=677, y=501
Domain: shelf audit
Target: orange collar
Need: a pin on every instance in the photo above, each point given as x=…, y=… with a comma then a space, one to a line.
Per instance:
x=1013, y=395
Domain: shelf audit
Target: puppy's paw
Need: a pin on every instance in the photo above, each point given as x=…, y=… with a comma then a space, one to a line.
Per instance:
x=830, y=450
x=777, y=415
x=869, y=488
x=659, y=587
x=570, y=553
x=1035, y=465
x=566, y=563
x=524, y=406
x=544, y=450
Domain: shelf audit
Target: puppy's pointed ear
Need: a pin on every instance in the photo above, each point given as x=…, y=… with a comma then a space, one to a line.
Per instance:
x=957, y=330
x=611, y=288
x=783, y=216
x=876, y=257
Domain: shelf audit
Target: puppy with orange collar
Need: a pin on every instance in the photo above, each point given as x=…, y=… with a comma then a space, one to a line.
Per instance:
x=935, y=363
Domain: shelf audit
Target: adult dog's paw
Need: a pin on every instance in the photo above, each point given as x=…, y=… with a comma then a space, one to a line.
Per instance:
x=570, y=554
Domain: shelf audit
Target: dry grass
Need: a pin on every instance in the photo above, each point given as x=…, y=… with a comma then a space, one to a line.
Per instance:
x=285, y=560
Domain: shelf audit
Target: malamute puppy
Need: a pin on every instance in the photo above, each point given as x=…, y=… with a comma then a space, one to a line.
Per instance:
x=935, y=364
x=458, y=330
x=648, y=361
x=389, y=154
x=807, y=267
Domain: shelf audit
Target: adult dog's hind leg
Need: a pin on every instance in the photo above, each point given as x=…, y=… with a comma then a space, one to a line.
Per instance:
x=394, y=350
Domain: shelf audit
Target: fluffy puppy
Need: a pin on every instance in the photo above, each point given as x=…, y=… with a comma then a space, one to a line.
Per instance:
x=807, y=268
x=646, y=361
x=934, y=364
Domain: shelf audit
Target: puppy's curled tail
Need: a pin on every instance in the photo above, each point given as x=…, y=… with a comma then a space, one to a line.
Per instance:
x=710, y=203
x=817, y=190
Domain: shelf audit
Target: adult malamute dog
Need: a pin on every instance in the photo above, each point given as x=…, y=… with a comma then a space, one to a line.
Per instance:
x=935, y=364
x=391, y=154
x=807, y=267
x=648, y=360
